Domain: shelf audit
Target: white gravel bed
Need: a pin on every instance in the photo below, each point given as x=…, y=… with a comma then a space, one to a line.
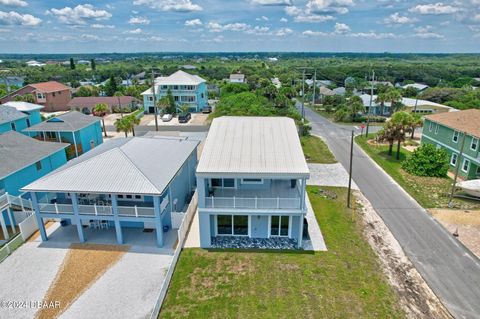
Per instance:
x=329, y=175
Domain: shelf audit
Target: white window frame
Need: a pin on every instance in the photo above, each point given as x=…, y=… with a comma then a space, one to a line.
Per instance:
x=430, y=127
x=476, y=144
x=150, y=98
x=280, y=222
x=249, y=233
x=465, y=161
x=436, y=129
x=234, y=183
x=456, y=134
x=244, y=182
x=453, y=158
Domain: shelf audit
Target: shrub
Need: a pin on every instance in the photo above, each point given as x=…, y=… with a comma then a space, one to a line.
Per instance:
x=342, y=115
x=427, y=160
x=361, y=119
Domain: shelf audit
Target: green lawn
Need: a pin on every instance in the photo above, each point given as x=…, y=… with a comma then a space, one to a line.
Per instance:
x=316, y=151
x=345, y=282
x=429, y=192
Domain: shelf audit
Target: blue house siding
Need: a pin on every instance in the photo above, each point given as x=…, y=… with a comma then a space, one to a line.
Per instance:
x=21, y=124
x=89, y=135
x=14, y=182
x=180, y=96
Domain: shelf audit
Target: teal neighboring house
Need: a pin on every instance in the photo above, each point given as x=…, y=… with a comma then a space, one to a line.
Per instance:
x=83, y=132
x=17, y=116
x=24, y=159
x=186, y=89
x=448, y=131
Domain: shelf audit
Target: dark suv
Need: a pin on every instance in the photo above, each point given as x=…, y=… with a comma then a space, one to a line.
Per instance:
x=184, y=117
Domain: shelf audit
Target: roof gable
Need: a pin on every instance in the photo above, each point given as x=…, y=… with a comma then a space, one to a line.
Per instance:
x=465, y=121
x=68, y=122
x=10, y=114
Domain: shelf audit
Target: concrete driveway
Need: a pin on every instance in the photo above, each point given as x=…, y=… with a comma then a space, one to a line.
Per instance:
x=128, y=289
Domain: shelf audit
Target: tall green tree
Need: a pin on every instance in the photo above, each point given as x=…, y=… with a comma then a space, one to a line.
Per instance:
x=111, y=86
x=72, y=64
x=163, y=104
x=173, y=106
x=93, y=66
x=123, y=125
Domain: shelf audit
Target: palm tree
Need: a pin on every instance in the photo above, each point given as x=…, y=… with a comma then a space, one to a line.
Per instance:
x=394, y=97
x=388, y=134
x=355, y=106
x=118, y=94
x=382, y=98
x=101, y=110
x=132, y=120
x=123, y=125
x=163, y=104
x=402, y=122
x=417, y=121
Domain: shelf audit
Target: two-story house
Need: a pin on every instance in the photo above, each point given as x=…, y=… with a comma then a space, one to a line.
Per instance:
x=452, y=130
x=251, y=181
x=186, y=89
x=17, y=116
x=54, y=96
x=136, y=182
x=83, y=132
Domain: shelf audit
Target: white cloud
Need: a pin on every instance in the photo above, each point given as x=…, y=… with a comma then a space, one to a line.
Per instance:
x=15, y=18
x=308, y=15
x=262, y=18
x=342, y=28
x=373, y=35
x=284, y=20
x=257, y=30
x=193, y=23
x=272, y=2
x=170, y=5
x=426, y=32
x=89, y=37
x=217, y=27
x=139, y=20
x=80, y=14
x=135, y=31
x=434, y=9
x=219, y=39
x=283, y=32
x=101, y=26
x=14, y=3
x=315, y=33
x=329, y=6
x=397, y=19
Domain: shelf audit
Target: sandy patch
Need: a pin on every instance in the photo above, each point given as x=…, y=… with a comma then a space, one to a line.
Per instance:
x=416, y=297
x=82, y=266
x=36, y=234
x=465, y=223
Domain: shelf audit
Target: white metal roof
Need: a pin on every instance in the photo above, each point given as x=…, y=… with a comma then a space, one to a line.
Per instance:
x=24, y=106
x=418, y=86
x=180, y=78
x=139, y=165
x=253, y=146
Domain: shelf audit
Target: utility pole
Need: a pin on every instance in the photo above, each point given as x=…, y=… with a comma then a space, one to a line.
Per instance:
x=371, y=101
x=154, y=100
x=350, y=172
x=314, y=87
x=303, y=95
x=457, y=168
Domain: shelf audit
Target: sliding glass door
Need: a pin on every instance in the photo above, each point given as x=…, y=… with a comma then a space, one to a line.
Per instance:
x=279, y=226
x=232, y=225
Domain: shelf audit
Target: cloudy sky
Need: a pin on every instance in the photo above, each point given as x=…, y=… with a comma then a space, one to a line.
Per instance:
x=60, y=26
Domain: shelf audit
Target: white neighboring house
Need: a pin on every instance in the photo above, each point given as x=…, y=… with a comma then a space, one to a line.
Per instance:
x=35, y=63
x=237, y=78
x=418, y=86
x=276, y=82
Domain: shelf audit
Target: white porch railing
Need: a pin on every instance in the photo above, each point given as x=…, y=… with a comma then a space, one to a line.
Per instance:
x=9, y=200
x=252, y=203
x=97, y=210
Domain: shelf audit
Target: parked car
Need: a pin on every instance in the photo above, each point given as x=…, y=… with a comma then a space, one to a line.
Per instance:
x=207, y=109
x=167, y=117
x=184, y=117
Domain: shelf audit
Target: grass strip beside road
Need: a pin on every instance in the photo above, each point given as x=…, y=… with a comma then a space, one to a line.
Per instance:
x=316, y=151
x=344, y=282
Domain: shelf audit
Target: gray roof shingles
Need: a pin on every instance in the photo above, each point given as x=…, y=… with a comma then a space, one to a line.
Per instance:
x=67, y=122
x=10, y=114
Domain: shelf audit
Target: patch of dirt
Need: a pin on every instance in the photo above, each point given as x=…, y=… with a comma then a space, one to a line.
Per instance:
x=415, y=296
x=82, y=266
x=465, y=223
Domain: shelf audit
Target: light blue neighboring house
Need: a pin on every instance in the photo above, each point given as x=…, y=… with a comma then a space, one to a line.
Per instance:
x=83, y=132
x=186, y=89
x=125, y=183
x=251, y=182
x=23, y=160
x=17, y=116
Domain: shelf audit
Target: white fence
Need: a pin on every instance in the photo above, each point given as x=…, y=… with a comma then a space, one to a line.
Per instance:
x=28, y=226
x=9, y=247
x=182, y=232
x=97, y=210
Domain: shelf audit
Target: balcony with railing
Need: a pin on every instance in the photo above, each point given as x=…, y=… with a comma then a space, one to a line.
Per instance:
x=280, y=195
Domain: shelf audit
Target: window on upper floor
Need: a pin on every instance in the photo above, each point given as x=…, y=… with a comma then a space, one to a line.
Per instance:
x=474, y=144
x=466, y=165
x=28, y=122
x=202, y=95
x=430, y=127
x=223, y=182
x=175, y=87
x=176, y=98
x=38, y=165
x=252, y=181
x=456, y=134
x=150, y=98
x=13, y=126
x=436, y=128
x=40, y=96
x=453, y=159
x=164, y=87
x=53, y=93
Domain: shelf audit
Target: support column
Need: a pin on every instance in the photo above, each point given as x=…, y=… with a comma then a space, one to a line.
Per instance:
x=76, y=214
x=158, y=220
x=300, y=232
x=116, y=220
x=41, y=225
x=10, y=218
x=205, y=231
x=75, y=144
x=304, y=193
x=4, y=226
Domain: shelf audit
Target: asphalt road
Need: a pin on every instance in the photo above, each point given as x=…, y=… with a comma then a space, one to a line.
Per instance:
x=450, y=269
